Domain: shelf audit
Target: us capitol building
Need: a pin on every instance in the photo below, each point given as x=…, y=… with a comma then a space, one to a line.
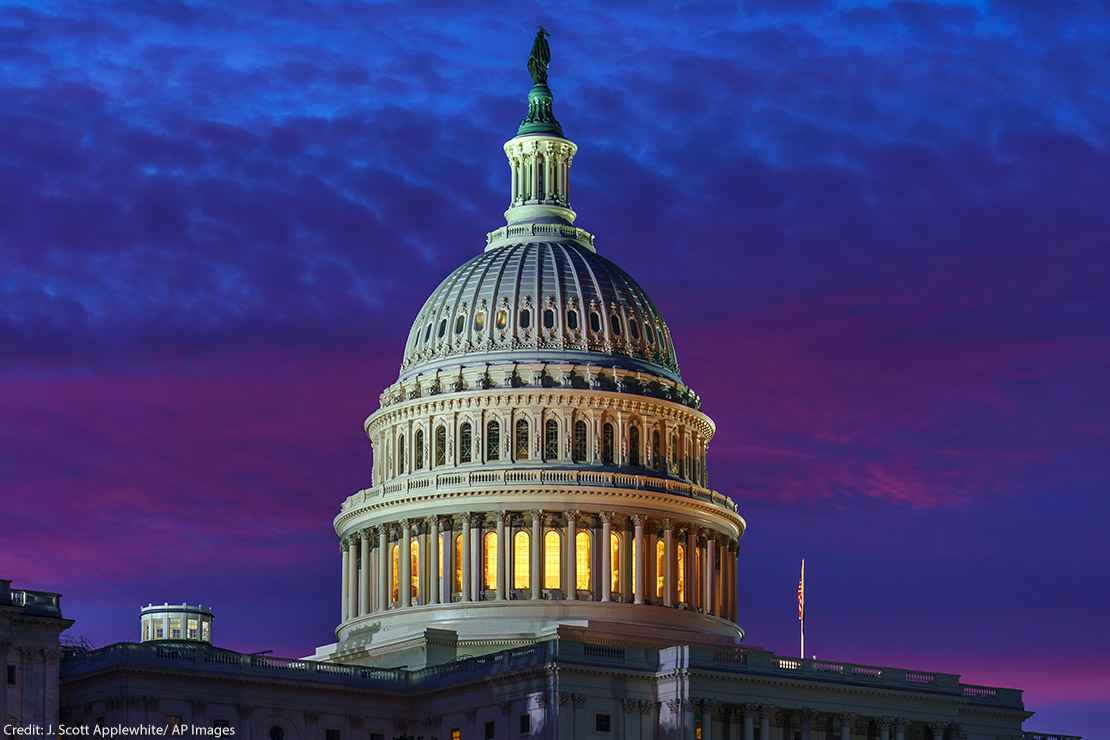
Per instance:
x=540, y=553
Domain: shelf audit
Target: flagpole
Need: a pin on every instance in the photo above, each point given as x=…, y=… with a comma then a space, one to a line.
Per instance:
x=801, y=610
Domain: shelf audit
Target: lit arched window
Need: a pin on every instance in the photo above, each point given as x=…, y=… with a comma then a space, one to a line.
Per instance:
x=656, y=458
x=493, y=441
x=458, y=563
x=579, y=441
x=395, y=572
x=521, y=446
x=465, y=442
x=615, y=558
x=441, y=445
x=439, y=561
x=479, y=321
x=414, y=570
x=502, y=319
x=551, y=440
x=489, y=561
x=522, y=561
x=634, y=445
x=680, y=556
x=582, y=561
x=552, y=577
x=401, y=455
x=418, y=450
x=660, y=568
x=607, y=444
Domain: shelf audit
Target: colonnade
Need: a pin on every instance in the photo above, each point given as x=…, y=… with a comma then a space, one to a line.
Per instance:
x=540, y=172
x=519, y=555
x=754, y=722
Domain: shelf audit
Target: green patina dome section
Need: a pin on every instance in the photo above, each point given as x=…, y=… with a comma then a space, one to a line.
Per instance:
x=541, y=117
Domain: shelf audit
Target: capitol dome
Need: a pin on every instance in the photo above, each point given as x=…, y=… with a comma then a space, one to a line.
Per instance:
x=538, y=463
x=530, y=300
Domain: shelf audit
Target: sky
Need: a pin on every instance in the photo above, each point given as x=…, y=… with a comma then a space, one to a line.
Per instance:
x=878, y=233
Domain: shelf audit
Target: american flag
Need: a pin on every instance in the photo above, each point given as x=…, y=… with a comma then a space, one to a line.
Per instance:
x=802, y=593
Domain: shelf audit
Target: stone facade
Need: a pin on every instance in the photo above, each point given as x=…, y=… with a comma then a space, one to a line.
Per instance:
x=30, y=624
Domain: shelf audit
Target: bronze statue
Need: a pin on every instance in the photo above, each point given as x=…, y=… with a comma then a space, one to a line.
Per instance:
x=540, y=58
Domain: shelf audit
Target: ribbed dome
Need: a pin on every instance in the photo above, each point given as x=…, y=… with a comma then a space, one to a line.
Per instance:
x=554, y=301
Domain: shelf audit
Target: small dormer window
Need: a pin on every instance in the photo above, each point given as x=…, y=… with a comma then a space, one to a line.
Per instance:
x=460, y=322
x=479, y=321
x=548, y=319
x=525, y=319
x=502, y=319
x=428, y=332
x=634, y=329
x=442, y=328
x=595, y=321
x=615, y=325
x=572, y=320
x=649, y=335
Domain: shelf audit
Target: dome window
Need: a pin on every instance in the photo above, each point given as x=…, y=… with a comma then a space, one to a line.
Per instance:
x=479, y=321
x=551, y=440
x=548, y=319
x=615, y=325
x=572, y=320
x=502, y=319
x=442, y=328
x=460, y=322
x=634, y=329
x=595, y=321
x=428, y=332
x=525, y=319
x=649, y=335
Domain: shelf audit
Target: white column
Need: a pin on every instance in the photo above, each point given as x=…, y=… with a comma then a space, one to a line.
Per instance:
x=476, y=547
x=638, y=558
x=710, y=556
x=570, y=590
x=352, y=578
x=344, y=598
x=535, y=175
x=383, y=568
x=606, y=556
x=364, y=574
x=749, y=722
x=512, y=177
x=404, y=587
x=691, y=569
x=536, y=552
x=434, y=585
x=502, y=546
x=466, y=558
x=374, y=605
x=668, y=563
x=448, y=571
x=765, y=723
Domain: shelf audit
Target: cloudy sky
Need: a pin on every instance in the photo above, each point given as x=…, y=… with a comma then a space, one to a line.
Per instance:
x=878, y=231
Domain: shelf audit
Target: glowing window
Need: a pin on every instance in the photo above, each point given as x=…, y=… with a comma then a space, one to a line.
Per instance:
x=465, y=442
x=414, y=569
x=595, y=321
x=458, y=563
x=582, y=561
x=552, y=578
x=660, y=568
x=521, y=439
x=615, y=558
x=441, y=445
x=607, y=444
x=489, y=561
x=551, y=440
x=525, y=319
x=634, y=445
x=456, y=734
x=479, y=321
x=502, y=319
x=615, y=324
x=439, y=560
x=680, y=555
x=572, y=320
x=418, y=450
x=522, y=562
x=493, y=441
x=395, y=572
x=548, y=319
x=579, y=452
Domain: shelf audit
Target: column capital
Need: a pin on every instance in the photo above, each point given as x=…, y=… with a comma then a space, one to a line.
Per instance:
x=639, y=520
x=606, y=517
x=668, y=524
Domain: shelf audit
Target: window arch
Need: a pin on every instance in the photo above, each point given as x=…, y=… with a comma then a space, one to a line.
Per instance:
x=634, y=445
x=466, y=441
x=680, y=557
x=395, y=573
x=552, y=571
x=441, y=445
x=493, y=441
x=401, y=462
x=607, y=444
x=656, y=457
x=521, y=446
x=418, y=450
x=522, y=560
x=551, y=440
x=660, y=568
x=615, y=562
x=582, y=560
x=458, y=563
x=579, y=451
x=489, y=561
x=414, y=569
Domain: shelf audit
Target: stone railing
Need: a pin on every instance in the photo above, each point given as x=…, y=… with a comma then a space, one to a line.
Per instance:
x=514, y=476
x=39, y=602
x=1048, y=736
x=518, y=231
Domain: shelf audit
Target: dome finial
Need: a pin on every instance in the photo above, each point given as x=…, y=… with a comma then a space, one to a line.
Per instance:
x=540, y=118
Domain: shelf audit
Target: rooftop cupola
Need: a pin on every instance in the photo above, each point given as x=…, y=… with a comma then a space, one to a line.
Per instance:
x=539, y=155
